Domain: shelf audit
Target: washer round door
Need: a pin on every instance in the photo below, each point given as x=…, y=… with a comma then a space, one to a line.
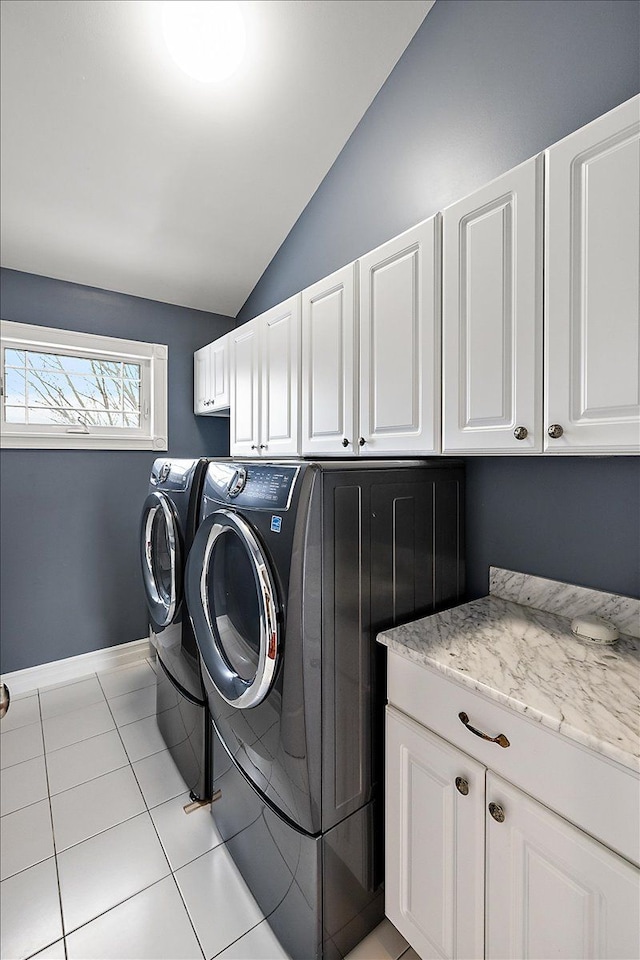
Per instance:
x=233, y=605
x=161, y=555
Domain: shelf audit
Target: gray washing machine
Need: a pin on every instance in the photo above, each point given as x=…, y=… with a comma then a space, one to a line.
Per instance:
x=294, y=569
x=170, y=516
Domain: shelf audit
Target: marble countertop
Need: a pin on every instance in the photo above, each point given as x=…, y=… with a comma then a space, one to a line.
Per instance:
x=528, y=660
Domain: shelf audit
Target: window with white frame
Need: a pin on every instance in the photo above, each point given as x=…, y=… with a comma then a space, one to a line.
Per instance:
x=63, y=389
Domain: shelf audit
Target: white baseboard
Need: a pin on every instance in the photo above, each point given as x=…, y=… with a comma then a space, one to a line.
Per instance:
x=72, y=668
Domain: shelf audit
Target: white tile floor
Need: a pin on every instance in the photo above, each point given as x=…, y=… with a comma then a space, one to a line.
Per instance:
x=98, y=858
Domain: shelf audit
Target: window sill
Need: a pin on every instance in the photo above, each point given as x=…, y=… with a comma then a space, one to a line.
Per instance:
x=81, y=442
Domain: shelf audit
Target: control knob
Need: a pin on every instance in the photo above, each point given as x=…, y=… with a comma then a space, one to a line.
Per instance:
x=237, y=483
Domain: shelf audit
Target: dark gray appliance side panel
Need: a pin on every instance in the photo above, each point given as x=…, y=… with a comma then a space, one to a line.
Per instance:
x=281, y=865
x=303, y=643
x=352, y=895
x=183, y=725
x=393, y=551
x=449, y=536
x=346, y=648
x=402, y=554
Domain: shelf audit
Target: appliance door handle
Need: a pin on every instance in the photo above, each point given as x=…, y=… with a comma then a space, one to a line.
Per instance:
x=162, y=608
x=235, y=690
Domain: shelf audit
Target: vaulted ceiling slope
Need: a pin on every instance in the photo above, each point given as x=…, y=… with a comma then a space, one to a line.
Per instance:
x=119, y=171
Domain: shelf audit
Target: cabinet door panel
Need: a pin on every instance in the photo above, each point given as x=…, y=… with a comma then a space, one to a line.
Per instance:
x=328, y=357
x=592, y=308
x=492, y=315
x=552, y=890
x=280, y=344
x=219, y=374
x=400, y=343
x=434, y=885
x=245, y=391
x=200, y=380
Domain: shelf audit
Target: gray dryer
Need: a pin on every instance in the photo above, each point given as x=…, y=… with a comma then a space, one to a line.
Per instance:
x=294, y=569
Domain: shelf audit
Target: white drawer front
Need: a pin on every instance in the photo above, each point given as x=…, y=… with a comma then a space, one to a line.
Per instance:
x=596, y=794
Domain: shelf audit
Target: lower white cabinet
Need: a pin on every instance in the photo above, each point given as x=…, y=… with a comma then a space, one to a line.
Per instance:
x=552, y=890
x=475, y=866
x=434, y=880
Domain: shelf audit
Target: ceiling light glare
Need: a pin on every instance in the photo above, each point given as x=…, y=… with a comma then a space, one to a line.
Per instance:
x=206, y=39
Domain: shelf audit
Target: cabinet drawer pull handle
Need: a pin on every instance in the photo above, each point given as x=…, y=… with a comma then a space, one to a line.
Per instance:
x=500, y=739
x=497, y=812
x=462, y=786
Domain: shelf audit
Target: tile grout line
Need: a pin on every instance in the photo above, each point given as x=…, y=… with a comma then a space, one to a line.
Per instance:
x=128, y=763
x=116, y=905
x=53, y=832
x=264, y=920
x=186, y=910
x=147, y=809
x=148, y=887
x=50, y=796
x=172, y=873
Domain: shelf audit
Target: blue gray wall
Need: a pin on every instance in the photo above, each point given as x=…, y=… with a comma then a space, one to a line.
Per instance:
x=69, y=535
x=484, y=85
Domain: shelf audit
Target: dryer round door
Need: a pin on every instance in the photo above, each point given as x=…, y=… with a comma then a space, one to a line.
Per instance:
x=233, y=605
x=161, y=555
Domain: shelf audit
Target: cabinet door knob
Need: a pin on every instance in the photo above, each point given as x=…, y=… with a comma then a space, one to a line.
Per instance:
x=263, y=446
x=253, y=446
x=521, y=433
x=362, y=441
x=345, y=442
x=500, y=739
x=555, y=431
x=462, y=786
x=497, y=812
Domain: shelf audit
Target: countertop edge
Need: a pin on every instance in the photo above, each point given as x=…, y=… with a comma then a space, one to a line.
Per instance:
x=601, y=747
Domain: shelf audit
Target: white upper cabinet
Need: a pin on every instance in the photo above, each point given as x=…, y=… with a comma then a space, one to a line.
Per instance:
x=592, y=303
x=265, y=383
x=492, y=316
x=538, y=319
x=200, y=380
x=211, y=378
x=219, y=374
x=280, y=371
x=329, y=375
x=245, y=390
x=400, y=344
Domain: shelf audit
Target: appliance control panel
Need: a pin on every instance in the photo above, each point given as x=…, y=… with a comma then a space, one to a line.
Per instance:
x=258, y=486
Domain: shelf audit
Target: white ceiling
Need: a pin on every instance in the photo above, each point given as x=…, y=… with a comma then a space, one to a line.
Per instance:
x=120, y=172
